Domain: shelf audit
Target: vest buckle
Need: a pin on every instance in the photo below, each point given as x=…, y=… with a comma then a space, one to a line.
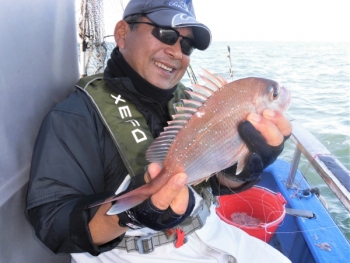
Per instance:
x=180, y=238
x=145, y=244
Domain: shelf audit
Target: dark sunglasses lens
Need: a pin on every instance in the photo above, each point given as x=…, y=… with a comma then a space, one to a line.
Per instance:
x=187, y=46
x=167, y=36
x=170, y=36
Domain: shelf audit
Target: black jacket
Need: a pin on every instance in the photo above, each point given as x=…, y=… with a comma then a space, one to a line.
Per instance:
x=75, y=163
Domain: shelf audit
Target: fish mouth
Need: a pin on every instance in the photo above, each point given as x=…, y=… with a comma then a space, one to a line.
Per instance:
x=285, y=98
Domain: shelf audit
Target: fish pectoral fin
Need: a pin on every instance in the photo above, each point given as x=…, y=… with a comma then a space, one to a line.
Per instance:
x=242, y=160
x=240, y=166
x=200, y=180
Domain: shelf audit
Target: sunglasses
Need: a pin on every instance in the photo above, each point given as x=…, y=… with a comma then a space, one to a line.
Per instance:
x=170, y=36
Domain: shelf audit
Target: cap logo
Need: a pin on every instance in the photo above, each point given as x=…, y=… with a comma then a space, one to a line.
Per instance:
x=183, y=18
x=180, y=4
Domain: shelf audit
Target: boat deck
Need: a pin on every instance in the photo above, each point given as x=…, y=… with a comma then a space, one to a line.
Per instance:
x=301, y=239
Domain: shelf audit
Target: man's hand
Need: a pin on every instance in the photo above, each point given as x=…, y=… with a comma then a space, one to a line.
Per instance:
x=175, y=194
x=272, y=125
x=166, y=208
x=264, y=136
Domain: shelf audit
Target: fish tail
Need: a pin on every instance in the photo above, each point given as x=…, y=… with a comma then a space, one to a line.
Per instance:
x=136, y=196
x=126, y=203
x=141, y=192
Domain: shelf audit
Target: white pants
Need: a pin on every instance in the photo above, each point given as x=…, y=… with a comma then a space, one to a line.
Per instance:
x=215, y=242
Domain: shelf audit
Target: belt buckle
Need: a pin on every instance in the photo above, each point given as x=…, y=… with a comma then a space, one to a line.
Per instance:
x=141, y=241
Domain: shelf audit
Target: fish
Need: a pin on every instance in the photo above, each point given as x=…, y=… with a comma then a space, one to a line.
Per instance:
x=202, y=137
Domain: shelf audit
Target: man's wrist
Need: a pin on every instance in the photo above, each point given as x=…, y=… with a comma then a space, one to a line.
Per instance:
x=128, y=219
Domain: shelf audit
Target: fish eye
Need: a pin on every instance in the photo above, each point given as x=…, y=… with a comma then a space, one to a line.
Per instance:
x=274, y=92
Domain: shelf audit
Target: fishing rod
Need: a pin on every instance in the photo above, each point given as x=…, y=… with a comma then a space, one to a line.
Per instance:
x=191, y=75
x=229, y=59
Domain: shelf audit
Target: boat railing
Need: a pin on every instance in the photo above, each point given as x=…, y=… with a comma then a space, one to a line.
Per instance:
x=334, y=174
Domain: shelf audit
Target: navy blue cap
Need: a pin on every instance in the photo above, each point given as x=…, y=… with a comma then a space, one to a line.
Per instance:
x=172, y=13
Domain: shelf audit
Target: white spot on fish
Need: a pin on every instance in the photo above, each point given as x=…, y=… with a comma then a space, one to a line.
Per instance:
x=199, y=114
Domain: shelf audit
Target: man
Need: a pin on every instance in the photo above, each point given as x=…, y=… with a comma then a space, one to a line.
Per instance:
x=92, y=147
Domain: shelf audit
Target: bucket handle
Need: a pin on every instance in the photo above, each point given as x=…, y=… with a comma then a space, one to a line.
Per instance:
x=266, y=225
x=279, y=196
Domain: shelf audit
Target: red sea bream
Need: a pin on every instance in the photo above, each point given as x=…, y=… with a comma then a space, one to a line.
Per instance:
x=203, y=138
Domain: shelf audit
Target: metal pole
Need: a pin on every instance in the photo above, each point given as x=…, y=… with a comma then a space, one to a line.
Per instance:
x=293, y=169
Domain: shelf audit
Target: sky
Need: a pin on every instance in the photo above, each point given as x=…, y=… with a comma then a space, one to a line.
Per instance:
x=276, y=20
x=270, y=20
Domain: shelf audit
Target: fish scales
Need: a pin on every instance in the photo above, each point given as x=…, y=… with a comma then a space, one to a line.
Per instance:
x=212, y=134
x=206, y=141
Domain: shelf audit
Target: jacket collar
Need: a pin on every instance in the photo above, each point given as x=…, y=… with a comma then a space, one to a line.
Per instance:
x=119, y=71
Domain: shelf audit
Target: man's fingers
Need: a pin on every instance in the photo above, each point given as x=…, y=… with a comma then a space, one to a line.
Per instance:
x=282, y=123
x=267, y=129
x=174, y=194
x=180, y=202
x=152, y=171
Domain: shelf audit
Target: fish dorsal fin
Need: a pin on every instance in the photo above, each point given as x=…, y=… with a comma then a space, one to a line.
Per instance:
x=203, y=90
x=201, y=93
x=213, y=81
x=192, y=103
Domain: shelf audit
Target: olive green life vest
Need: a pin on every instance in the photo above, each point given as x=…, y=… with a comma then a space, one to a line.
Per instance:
x=132, y=137
x=126, y=125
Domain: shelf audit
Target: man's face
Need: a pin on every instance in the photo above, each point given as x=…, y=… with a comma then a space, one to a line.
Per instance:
x=160, y=64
